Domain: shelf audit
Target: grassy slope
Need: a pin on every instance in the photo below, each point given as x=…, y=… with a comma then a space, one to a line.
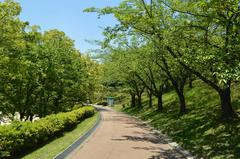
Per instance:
x=60, y=144
x=199, y=131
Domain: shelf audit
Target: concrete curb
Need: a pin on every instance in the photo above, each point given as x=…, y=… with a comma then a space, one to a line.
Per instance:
x=79, y=141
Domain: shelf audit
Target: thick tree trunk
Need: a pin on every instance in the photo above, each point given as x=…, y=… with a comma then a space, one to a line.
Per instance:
x=139, y=101
x=182, y=102
x=133, y=100
x=150, y=95
x=179, y=88
x=226, y=106
x=160, y=102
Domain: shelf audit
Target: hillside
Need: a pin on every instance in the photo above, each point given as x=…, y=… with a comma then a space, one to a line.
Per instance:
x=200, y=131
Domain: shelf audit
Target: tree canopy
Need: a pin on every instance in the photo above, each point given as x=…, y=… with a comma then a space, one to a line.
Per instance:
x=188, y=38
x=40, y=72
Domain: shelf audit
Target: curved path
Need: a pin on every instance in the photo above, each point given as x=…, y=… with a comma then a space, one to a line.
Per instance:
x=120, y=136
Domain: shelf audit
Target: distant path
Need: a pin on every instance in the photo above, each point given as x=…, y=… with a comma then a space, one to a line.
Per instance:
x=120, y=136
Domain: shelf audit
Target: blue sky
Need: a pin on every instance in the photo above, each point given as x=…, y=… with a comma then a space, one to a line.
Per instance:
x=68, y=16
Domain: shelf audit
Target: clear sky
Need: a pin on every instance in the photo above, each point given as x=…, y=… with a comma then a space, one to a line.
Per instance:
x=68, y=16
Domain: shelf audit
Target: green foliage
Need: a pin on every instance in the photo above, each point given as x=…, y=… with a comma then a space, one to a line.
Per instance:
x=199, y=38
x=26, y=135
x=40, y=73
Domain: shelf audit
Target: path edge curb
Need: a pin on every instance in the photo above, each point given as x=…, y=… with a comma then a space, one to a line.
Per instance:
x=80, y=140
x=171, y=143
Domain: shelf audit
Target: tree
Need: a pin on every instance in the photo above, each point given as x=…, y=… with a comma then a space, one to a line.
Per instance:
x=211, y=29
x=40, y=73
x=200, y=36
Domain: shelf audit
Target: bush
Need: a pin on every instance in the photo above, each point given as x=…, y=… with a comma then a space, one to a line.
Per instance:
x=24, y=135
x=103, y=103
x=77, y=106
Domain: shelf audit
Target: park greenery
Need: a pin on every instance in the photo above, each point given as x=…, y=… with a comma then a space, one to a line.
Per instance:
x=173, y=63
x=40, y=72
x=198, y=131
x=60, y=143
x=43, y=77
x=20, y=136
x=163, y=44
x=178, y=62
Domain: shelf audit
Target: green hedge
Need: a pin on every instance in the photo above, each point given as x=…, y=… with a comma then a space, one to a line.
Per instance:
x=21, y=136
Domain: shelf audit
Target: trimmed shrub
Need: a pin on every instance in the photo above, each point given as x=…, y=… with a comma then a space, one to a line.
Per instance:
x=24, y=135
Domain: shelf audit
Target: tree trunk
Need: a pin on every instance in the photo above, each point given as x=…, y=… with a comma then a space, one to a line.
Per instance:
x=160, y=103
x=179, y=88
x=150, y=98
x=139, y=101
x=182, y=102
x=150, y=101
x=133, y=100
x=225, y=97
x=21, y=116
x=30, y=117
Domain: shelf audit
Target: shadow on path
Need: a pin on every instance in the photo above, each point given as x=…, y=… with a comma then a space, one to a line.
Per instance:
x=152, y=137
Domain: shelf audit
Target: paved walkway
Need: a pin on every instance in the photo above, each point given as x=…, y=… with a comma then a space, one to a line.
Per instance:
x=120, y=136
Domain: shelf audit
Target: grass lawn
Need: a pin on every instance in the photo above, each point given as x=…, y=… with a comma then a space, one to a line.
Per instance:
x=58, y=145
x=199, y=131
